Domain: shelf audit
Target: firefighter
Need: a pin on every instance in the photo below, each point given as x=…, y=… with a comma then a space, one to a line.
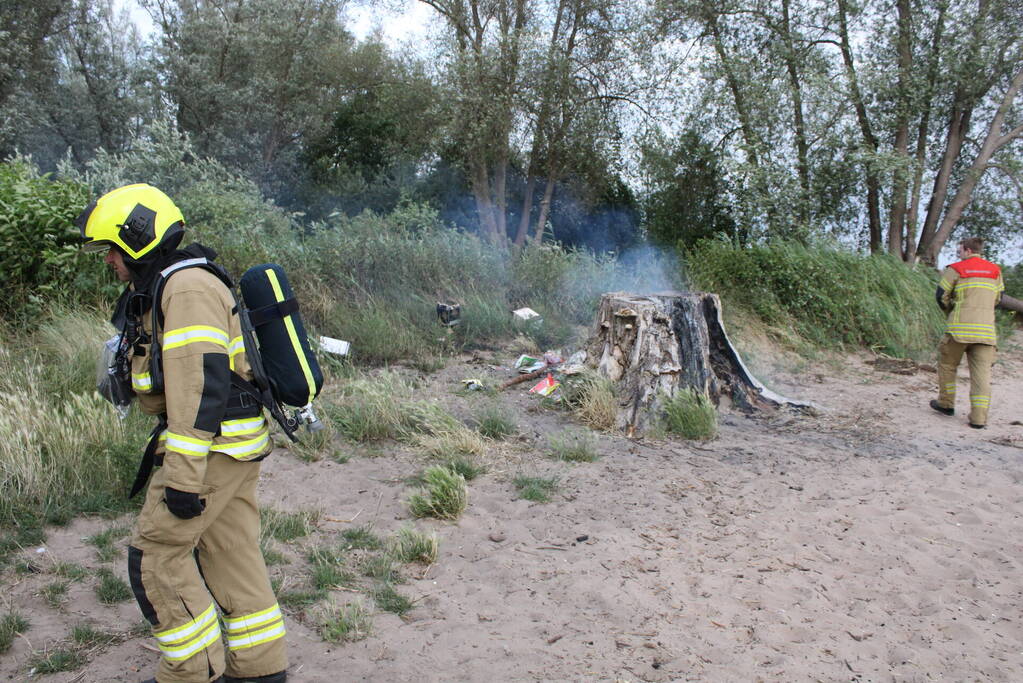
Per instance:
x=968, y=292
x=194, y=561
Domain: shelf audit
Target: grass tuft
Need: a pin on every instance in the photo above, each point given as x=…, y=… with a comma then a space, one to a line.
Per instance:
x=493, y=422
x=465, y=467
x=106, y=551
x=592, y=399
x=11, y=624
x=444, y=495
x=287, y=526
x=328, y=570
x=390, y=600
x=111, y=589
x=410, y=545
x=55, y=593
x=313, y=446
x=691, y=415
x=55, y=661
x=536, y=489
x=345, y=623
x=361, y=537
x=70, y=571
x=271, y=555
x=380, y=567
x=573, y=447
x=86, y=636
x=300, y=598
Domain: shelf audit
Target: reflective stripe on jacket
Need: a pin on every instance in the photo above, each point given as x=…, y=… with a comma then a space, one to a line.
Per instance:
x=201, y=344
x=972, y=288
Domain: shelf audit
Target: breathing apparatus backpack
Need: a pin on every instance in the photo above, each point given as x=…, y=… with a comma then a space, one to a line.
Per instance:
x=277, y=346
x=284, y=368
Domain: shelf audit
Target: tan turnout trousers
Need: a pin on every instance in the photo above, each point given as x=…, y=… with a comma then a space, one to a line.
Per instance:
x=980, y=358
x=192, y=575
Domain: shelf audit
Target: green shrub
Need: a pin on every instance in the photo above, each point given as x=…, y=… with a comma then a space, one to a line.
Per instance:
x=39, y=255
x=832, y=298
x=691, y=415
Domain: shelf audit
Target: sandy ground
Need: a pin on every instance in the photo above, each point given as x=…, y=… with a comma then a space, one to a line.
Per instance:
x=876, y=541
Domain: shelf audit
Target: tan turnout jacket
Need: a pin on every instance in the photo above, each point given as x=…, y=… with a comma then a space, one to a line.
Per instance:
x=202, y=342
x=972, y=288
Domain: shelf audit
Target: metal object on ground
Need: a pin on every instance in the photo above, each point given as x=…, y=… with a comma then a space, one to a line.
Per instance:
x=449, y=314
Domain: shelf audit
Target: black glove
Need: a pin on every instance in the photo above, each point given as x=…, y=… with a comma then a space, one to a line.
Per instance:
x=183, y=504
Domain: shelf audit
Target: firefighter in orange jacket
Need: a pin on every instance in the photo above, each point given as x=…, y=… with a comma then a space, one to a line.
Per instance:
x=194, y=561
x=968, y=292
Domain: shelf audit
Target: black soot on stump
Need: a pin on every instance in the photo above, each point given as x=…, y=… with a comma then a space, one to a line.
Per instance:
x=653, y=345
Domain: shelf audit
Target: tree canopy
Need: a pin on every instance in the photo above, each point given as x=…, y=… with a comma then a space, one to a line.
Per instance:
x=892, y=126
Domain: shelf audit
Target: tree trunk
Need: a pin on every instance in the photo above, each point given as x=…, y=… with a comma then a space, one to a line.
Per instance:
x=873, y=183
x=1010, y=304
x=897, y=215
x=651, y=346
x=923, y=130
x=749, y=134
x=795, y=87
x=993, y=141
x=958, y=126
x=545, y=210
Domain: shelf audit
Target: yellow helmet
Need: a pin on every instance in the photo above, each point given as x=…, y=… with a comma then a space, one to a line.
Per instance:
x=135, y=218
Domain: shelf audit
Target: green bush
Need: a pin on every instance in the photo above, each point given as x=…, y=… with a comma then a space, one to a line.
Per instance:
x=39, y=255
x=1013, y=278
x=831, y=297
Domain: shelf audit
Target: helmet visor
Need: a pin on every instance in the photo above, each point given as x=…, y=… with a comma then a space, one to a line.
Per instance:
x=96, y=246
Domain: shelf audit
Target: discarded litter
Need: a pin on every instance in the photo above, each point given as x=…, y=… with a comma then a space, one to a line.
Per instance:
x=472, y=384
x=526, y=364
x=575, y=364
x=525, y=361
x=524, y=314
x=449, y=314
x=546, y=386
x=337, y=347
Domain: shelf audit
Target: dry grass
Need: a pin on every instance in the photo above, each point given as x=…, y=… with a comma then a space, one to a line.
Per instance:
x=592, y=400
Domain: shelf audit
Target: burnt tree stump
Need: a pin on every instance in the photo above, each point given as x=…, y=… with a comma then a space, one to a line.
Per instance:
x=651, y=346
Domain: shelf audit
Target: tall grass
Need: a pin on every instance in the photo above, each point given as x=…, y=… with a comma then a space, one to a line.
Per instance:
x=62, y=448
x=831, y=297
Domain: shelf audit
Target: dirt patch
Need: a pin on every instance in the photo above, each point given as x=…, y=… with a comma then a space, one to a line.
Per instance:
x=876, y=540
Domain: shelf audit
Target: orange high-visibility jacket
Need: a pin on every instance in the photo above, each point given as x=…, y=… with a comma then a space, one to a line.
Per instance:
x=972, y=288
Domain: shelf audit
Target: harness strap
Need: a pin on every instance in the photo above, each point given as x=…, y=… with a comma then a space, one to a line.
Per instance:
x=148, y=457
x=275, y=311
x=266, y=400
